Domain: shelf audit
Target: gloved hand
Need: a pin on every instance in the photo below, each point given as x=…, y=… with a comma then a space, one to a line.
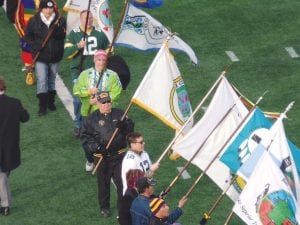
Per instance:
x=101, y=149
x=121, y=124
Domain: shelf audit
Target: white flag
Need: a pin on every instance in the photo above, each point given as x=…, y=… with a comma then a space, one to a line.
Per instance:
x=267, y=198
x=281, y=152
x=100, y=10
x=211, y=132
x=141, y=31
x=273, y=140
x=162, y=91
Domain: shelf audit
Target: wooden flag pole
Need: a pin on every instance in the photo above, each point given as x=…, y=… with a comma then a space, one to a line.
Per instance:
x=119, y=25
x=111, y=45
x=228, y=218
x=207, y=216
x=111, y=139
x=167, y=190
x=84, y=35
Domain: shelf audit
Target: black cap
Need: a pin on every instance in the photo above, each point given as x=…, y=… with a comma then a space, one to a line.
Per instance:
x=46, y=4
x=144, y=183
x=103, y=97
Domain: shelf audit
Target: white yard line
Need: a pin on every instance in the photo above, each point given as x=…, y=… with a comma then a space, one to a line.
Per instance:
x=292, y=52
x=64, y=95
x=185, y=175
x=232, y=56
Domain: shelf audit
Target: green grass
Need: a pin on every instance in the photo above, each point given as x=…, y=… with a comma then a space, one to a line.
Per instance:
x=51, y=187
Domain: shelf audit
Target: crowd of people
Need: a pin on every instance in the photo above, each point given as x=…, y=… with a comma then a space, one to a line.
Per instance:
x=104, y=130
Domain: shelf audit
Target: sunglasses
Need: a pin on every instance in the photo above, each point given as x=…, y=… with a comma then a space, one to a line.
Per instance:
x=105, y=102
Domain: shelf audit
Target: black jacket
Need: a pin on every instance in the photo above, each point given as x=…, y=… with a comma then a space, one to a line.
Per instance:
x=98, y=129
x=35, y=34
x=124, y=206
x=11, y=114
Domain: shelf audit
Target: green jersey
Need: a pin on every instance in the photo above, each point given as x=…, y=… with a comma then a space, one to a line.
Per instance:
x=95, y=39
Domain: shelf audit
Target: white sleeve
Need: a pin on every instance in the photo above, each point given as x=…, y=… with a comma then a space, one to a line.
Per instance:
x=127, y=164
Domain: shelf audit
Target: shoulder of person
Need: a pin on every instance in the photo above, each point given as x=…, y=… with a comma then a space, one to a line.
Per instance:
x=76, y=30
x=130, y=155
x=13, y=99
x=118, y=111
x=98, y=29
x=109, y=71
x=87, y=71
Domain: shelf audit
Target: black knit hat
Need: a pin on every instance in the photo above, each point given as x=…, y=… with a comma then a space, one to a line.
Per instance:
x=46, y=4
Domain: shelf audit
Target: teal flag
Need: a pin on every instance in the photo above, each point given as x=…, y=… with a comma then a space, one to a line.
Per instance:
x=242, y=145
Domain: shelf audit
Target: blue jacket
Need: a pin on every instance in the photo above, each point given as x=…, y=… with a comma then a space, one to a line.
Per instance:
x=140, y=210
x=141, y=213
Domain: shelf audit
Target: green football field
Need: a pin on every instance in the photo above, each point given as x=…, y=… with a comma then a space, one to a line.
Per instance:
x=51, y=186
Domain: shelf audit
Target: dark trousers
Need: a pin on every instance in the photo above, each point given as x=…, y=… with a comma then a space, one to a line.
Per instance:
x=109, y=169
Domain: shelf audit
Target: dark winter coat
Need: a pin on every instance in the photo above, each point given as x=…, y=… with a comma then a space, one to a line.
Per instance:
x=11, y=114
x=124, y=206
x=35, y=34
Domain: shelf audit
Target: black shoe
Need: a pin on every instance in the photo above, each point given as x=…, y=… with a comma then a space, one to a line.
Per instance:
x=52, y=107
x=42, y=112
x=76, y=132
x=4, y=211
x=105, y=212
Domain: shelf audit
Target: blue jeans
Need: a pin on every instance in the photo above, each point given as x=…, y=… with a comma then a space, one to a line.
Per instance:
x=45, y=74
x=78, y=120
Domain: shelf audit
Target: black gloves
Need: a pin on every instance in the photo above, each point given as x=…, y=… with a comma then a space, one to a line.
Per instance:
x=121, y=124
x=101, y=149
x=126, y=126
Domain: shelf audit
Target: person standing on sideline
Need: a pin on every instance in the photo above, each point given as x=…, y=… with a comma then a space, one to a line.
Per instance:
x=137, y=158
x=86, y=88
x=131, y=193
x=140, y=210
x=97, y=131
x=161, y=212
x=11, y=114
x=46, y=65
x=80, y=50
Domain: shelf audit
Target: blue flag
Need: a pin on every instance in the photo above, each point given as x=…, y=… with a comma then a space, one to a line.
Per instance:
x=246, y=141
x=147, y=3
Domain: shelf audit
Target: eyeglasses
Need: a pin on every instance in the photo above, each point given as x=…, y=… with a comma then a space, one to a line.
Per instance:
x=105, y=102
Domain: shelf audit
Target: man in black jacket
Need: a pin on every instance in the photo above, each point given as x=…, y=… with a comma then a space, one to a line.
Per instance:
x=11, y=114
x=45, y=22
x=97, y=131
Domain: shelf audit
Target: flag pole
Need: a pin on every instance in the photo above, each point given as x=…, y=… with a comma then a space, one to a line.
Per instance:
x=119, y=25
x=228, y=218
x=84, y=35
x=281, y=117
x=207, y=216
x=192, y=115
x=221, y=149
x=111, y=45
x=167, y=190
x=111, y=139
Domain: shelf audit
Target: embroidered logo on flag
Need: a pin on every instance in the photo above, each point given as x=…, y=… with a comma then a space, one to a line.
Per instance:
x=183, y=102
x=153, y=33
x=105, y=16
x=277, y=207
